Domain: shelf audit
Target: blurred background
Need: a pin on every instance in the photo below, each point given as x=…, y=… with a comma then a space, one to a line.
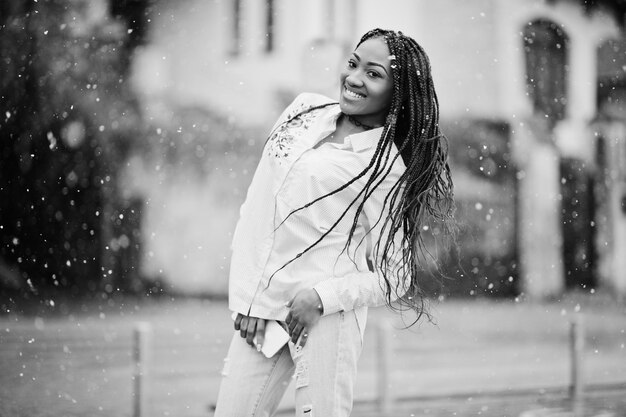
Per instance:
x=130, y=129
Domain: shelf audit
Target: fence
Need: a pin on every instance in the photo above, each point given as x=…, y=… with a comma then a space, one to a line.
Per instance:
x=385, y=399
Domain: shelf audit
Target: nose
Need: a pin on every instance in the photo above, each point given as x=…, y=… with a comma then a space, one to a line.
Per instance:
x=353, y=80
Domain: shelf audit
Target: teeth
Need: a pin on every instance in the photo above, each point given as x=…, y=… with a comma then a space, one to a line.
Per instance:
x=353, y=95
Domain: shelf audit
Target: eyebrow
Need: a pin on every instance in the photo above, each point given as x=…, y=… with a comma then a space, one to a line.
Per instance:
x=376, y=64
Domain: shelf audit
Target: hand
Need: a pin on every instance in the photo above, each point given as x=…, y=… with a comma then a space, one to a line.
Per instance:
x=305, y=310
x=249, y=327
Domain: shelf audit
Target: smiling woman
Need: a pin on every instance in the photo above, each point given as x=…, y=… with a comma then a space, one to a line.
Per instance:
x=332, y=225
x=367, y=84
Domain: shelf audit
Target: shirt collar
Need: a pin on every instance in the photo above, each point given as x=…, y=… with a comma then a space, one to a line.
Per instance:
x=365, y=140
x=360, y=141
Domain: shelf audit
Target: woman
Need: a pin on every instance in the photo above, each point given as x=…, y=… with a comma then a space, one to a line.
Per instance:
x=338, y=183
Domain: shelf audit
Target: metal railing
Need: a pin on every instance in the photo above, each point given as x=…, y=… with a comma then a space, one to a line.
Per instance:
x=142, y=346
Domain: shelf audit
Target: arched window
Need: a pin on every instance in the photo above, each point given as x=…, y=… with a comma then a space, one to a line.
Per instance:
x=546, y=49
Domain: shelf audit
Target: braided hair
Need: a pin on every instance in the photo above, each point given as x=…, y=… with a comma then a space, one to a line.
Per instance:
x=423, y=193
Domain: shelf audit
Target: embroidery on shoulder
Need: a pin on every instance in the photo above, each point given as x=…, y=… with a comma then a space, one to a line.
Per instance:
x=282, y=140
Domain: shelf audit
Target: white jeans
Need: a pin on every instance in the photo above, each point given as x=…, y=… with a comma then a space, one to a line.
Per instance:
x=325, y=371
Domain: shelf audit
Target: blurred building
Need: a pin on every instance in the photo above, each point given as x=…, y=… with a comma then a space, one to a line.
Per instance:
x=531, y=91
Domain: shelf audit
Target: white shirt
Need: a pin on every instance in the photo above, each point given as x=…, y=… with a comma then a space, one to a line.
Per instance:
x=290, y=174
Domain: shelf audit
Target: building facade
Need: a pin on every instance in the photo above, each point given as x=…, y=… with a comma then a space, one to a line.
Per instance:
x=549, y=74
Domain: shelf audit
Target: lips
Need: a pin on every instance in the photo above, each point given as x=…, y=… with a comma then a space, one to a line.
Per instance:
x=353, y=95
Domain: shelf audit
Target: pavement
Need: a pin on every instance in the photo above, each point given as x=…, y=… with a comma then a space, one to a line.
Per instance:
x=481, y=358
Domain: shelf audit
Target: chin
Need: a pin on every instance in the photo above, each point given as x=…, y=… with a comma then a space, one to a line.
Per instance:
x=346, y=108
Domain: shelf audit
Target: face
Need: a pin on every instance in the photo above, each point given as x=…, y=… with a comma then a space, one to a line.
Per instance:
x=367, y=83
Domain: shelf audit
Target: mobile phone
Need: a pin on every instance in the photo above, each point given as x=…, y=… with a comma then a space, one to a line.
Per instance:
x=275, y=337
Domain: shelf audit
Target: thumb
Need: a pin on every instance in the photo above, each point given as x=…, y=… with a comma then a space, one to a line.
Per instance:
x=289, y=303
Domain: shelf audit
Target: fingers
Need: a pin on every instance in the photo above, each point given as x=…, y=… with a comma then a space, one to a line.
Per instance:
x=299, y=336
x=295, y=333
x=251, y=330
x=293, y=327
x=243, y=326
x=260, y=332
x=238, y=320
x=304, y=338
x=291, y=324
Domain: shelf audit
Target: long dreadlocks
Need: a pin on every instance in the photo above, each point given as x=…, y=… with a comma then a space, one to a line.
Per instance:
x=423, y=193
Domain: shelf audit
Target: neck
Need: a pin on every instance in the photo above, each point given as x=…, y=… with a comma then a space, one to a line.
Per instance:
x=357, y=123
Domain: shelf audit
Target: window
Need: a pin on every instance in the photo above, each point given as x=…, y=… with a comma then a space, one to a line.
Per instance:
x=235, y=35
x=546, y=48
x=265, y=17
x=269, y=25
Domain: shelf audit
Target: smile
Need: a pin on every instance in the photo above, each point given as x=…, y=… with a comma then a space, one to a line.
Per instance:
x=352, y=94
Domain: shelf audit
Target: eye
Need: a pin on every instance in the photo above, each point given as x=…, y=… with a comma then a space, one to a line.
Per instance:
x=351, y=63
x=373, y=74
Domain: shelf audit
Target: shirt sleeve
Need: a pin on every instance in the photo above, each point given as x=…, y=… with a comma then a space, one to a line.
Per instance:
x=366, y=288
x=299, y=103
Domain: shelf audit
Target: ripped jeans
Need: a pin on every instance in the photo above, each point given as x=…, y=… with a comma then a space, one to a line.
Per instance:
x=324, y=373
